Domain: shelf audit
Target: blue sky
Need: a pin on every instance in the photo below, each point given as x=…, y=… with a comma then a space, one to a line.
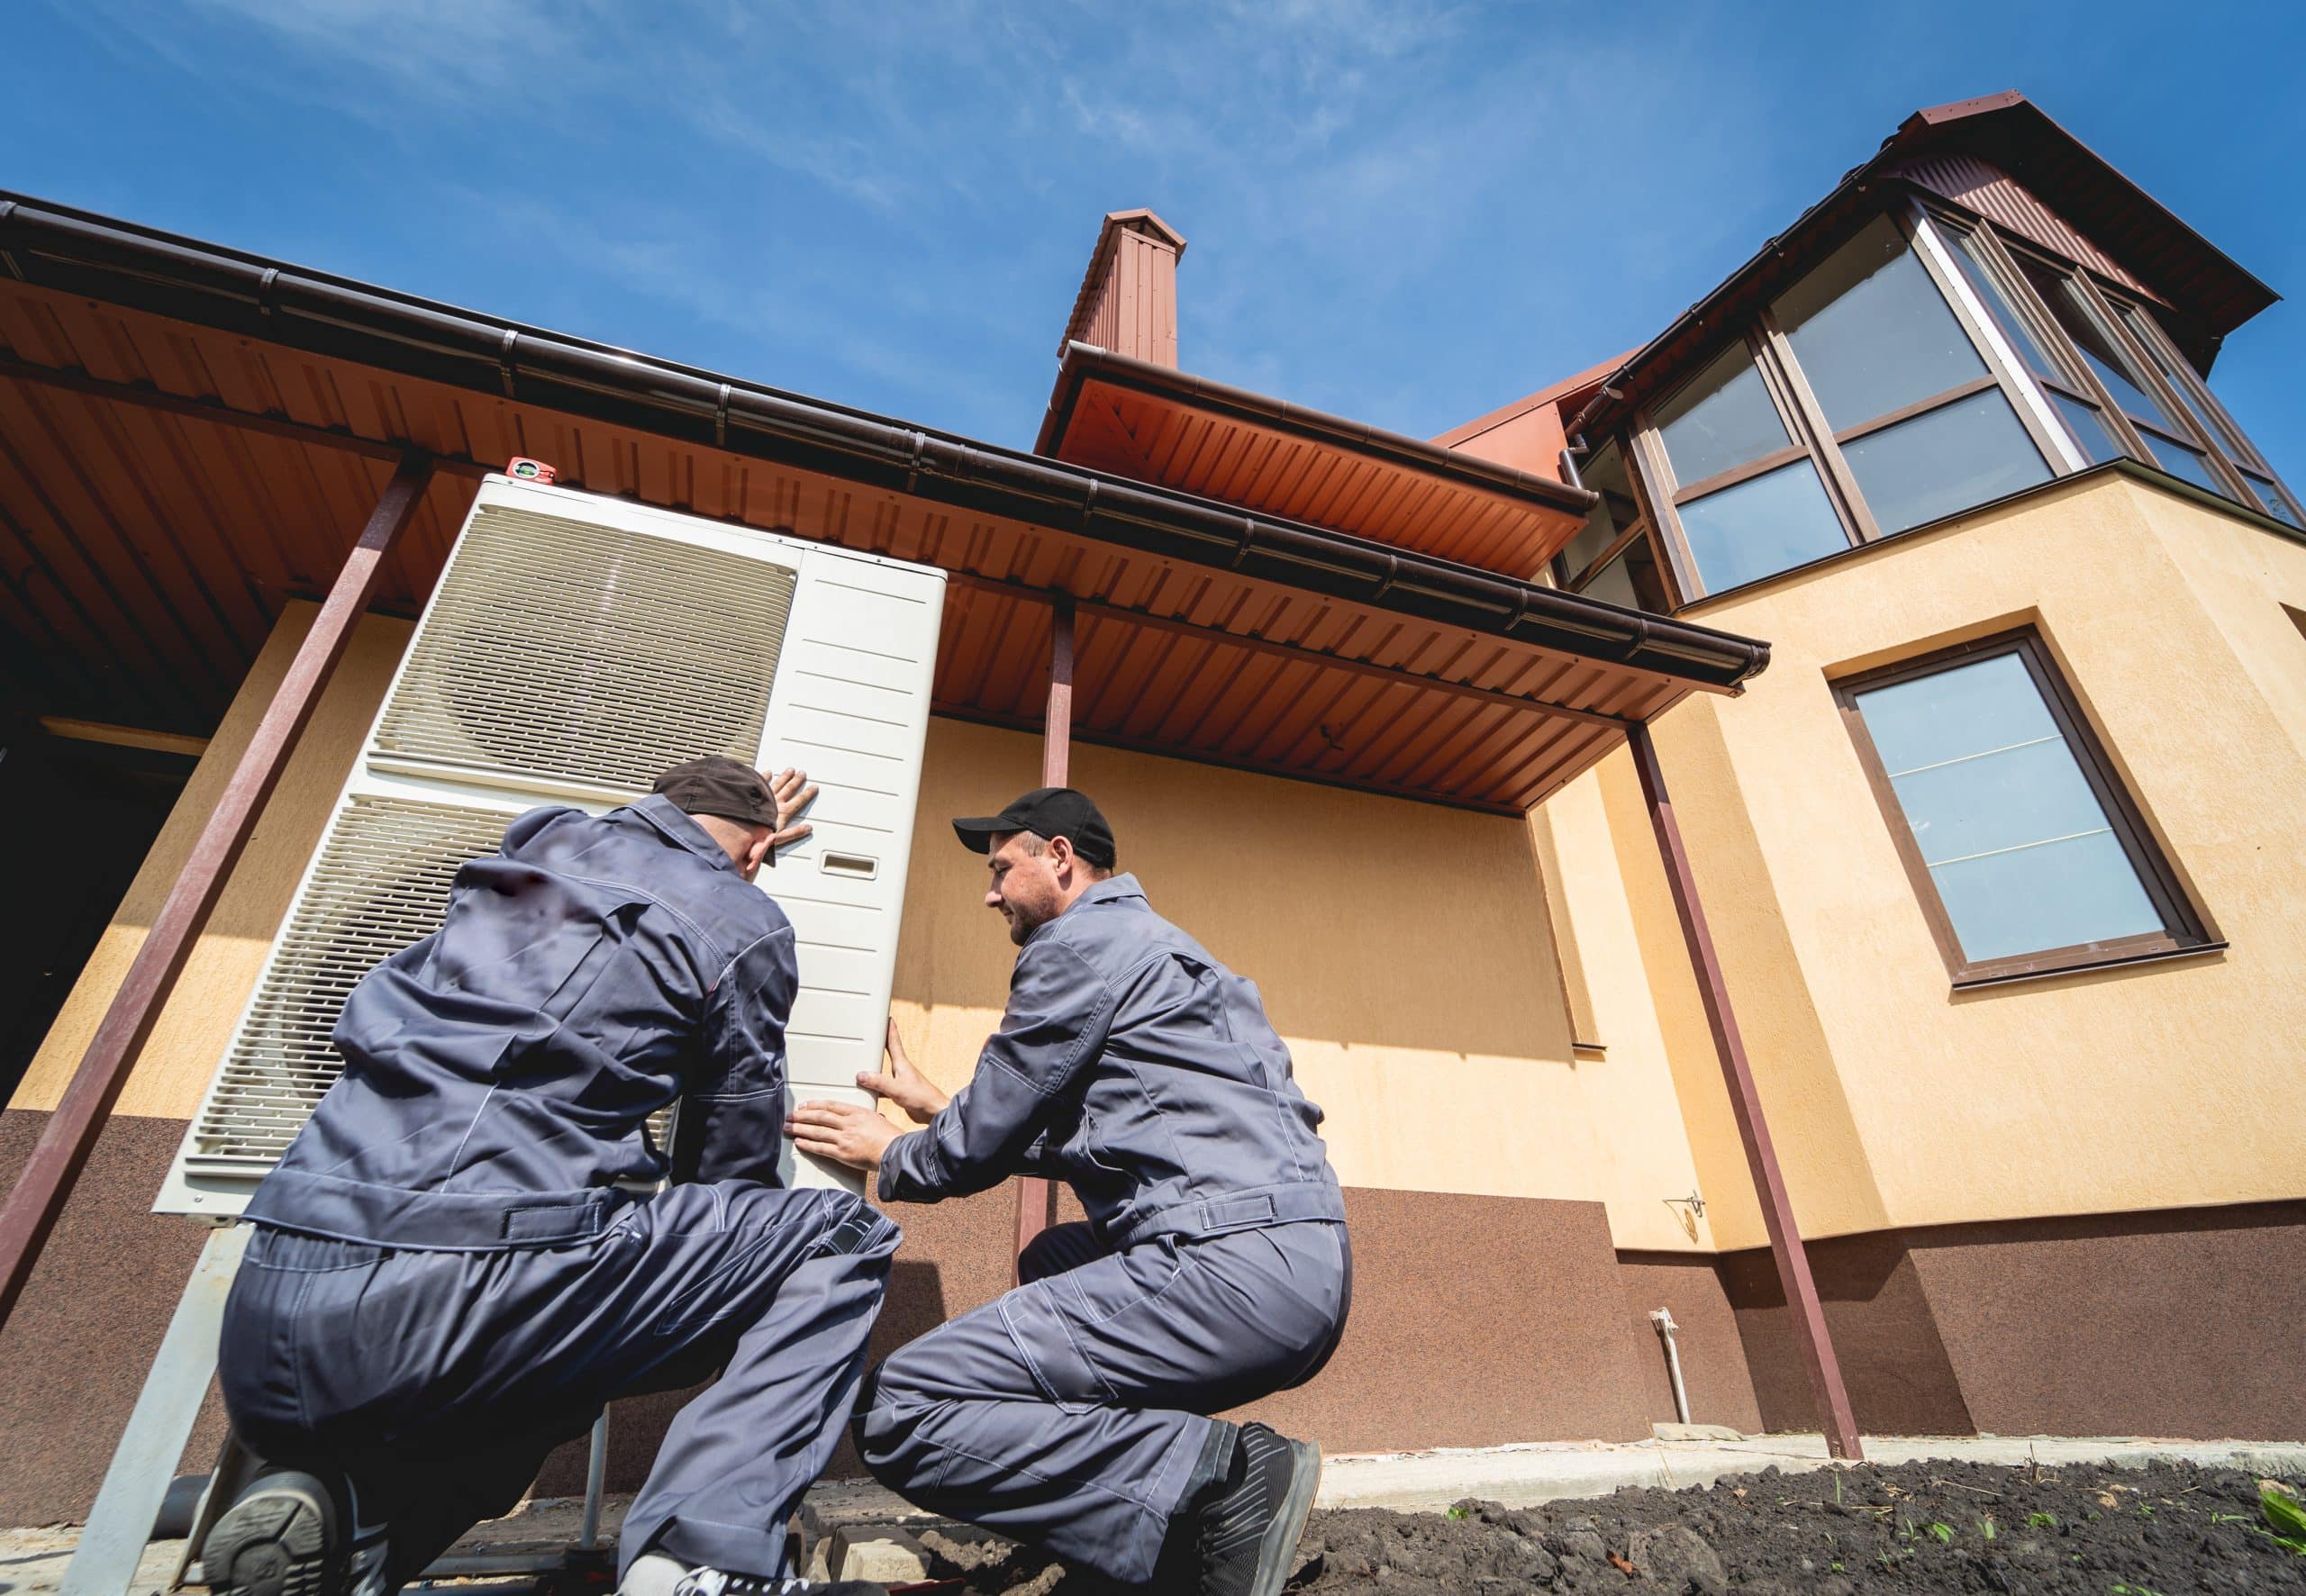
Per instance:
x=1408, y=213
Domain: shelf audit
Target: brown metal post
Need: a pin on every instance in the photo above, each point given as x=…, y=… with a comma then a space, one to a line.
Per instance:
x=1746, y=1103
x=1035, y=1197
x=70, y=1135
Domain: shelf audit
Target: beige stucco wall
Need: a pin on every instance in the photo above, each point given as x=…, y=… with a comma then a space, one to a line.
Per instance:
x=1896, y=1100
x=1403, y=951
x=189, y=1036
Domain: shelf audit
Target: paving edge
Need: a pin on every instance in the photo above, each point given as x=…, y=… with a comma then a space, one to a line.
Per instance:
x=1525, y=1476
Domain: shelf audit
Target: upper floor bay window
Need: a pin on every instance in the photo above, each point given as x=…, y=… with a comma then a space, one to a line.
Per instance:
x=1926, y=367
x=2026, y=853
x=1612, y=557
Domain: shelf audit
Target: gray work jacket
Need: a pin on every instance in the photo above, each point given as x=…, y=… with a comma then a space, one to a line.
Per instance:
x=1135, y=1066
x=499, y=1074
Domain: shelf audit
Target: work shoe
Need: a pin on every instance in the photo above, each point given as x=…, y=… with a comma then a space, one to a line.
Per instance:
x=653, y=1573
x=1249, y=1526
x=286, y=1536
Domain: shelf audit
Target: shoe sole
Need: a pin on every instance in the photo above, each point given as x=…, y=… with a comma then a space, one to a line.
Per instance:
x=1277, y=1551
x=269, y=1543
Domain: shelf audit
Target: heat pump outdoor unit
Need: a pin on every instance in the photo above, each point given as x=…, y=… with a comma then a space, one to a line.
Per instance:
x=576, y=646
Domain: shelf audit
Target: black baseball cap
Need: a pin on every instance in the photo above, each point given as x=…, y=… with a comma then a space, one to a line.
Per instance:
x=1047, y=813
x=720, y=785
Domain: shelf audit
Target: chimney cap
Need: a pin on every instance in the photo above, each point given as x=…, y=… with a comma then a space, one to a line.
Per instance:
x=1140, y=221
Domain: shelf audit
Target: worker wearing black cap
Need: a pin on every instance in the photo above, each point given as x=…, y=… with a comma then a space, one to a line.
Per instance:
x=464, y=1253
x=1214, y=1268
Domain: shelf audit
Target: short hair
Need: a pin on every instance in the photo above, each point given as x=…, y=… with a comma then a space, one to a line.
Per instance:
x=1036, y=845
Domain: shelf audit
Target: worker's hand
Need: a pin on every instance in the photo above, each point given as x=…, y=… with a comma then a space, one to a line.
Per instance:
x=793, y=792
x=840, y=1132
x=902, y=1084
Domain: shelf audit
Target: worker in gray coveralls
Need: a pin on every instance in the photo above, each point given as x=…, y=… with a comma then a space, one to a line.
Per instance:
x=1214, y=1268
x=463, y=1254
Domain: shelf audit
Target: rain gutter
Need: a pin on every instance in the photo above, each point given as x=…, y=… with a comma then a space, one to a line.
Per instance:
x=120, y=263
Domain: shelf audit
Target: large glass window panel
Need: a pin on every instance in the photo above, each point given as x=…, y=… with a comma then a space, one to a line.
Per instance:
x=1944, y=460
x=2097, y=444
x=1871, y=331
x=2022, y=853
x=2097, y=346
x=1969, y=255
x=2189, y=465
x=1761, y=526
x=2211, y=425
x=1631, y=580
x=1608, y=521
x=2276, y=502
x=1723, y=419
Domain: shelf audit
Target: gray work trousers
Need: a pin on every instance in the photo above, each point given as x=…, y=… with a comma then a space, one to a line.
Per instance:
x=439, y=1381
x=1070, y=1413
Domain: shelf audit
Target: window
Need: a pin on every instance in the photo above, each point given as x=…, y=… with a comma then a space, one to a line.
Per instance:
x=1749, y=498
x=1862, y=405
x=2069, y=398
x=1610, y=557
x=2026, y=853
x=2216, y=426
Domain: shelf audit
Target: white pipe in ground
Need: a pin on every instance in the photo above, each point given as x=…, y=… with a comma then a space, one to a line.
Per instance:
x=1663, y=1317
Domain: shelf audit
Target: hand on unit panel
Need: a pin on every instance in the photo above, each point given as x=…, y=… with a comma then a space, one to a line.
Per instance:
x=902, y=1084
x=793, y=793
x=842, y=1132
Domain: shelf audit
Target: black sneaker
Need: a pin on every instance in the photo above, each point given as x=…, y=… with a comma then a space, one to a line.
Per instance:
x=1249, y=1528
x=286, y=1534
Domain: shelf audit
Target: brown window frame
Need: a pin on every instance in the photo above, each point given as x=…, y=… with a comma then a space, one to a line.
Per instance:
x=2185, y=928
x=2229, y=443
x=1644, y=525
x=1814, y=437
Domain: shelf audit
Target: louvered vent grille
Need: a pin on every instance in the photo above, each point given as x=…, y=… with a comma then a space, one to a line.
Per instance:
x=382, y=884
x=568, y=651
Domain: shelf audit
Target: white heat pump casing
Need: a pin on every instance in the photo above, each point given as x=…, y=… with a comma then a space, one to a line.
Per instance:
x=571, y=631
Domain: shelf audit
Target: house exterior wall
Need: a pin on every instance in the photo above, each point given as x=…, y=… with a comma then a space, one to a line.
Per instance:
x=1899, y=1103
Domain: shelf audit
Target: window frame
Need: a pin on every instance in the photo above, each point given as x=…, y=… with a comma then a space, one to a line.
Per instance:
x=2229, y=444
x=1813, y=435
x=1644, y=525
x=2186, y=928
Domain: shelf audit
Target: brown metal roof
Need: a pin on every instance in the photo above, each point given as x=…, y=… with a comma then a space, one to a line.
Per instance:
x=168, y=480
x=2116, y=220
x=1139, y=420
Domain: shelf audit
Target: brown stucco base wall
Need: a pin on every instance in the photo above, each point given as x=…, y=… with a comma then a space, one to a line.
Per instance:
x=1714, y=1374
x=76, y=1348
x=2189, y=1323
x=1476, y=1320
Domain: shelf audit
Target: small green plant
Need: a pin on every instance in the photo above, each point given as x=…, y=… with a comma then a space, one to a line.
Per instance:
x=2041, y=1520
x=1458, y=1512
x=2130, y=1591
x=1835, y=1566
x=1985, y=1527
x=2285, y=1519
x=1944, y=1532
x=2145, y=1509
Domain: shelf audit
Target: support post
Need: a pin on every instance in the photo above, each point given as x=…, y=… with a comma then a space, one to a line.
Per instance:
x=1037, y=1197
x=1745, y=1102
x=71, y=1134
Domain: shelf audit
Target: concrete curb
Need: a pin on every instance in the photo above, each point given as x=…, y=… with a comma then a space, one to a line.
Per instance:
x=1524, y=1477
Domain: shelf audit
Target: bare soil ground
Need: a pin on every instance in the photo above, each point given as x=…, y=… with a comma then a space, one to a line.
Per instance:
x=1924, y=1527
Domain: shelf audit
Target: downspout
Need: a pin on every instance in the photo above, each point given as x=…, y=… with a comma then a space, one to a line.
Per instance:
x=1663, y=1317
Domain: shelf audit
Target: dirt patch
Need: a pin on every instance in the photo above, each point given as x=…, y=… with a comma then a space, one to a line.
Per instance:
x=1924, y=1527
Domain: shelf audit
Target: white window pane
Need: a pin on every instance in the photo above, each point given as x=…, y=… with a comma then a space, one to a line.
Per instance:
x=1724, y=418
x=1969, y=254
x=1948, y=715
x=1944, y=461
x=2062, y=894
x=1872, y=332
x=1764, y=525
x=2010, y=797
x=2024, y=855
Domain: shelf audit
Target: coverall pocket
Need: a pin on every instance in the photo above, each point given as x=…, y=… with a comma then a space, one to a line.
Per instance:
x=1037, y=1324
